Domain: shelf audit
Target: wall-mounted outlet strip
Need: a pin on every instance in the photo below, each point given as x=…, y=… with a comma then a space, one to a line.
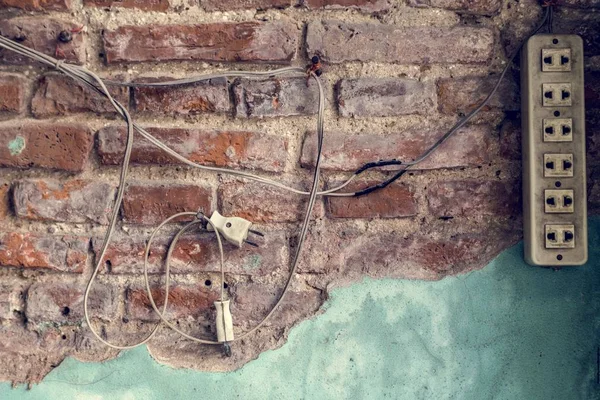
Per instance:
x=554, y=172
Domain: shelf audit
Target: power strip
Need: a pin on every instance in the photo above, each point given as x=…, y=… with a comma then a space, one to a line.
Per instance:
x=554, y=166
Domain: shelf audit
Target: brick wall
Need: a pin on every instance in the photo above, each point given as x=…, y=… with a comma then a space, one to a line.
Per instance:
x=397, y=74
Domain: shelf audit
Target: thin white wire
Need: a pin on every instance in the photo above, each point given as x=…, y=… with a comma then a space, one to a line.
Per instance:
x=92, y=80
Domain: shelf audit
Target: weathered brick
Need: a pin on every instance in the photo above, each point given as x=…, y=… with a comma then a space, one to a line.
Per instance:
x=429, y=254
x=28, y=250
x=481, y=7
x=338, y=42
x=60, y=146
x=62, y=303
x=396, y=200
x=195, y=253
x=275, y=97
x=185, y=301
x=382, y=97
x=462, y=95
x=467, y=198
x=252, y=301
x=223, y=149
x=41, y=34
x=13, y=89
x=592, y=90
x=470, y=146
x=201, y=97
x=273, y=42
x=594, y=191
x=510, y=140
x=585, y=23
x=58, y=94
x=4, y=203
x=146, y=5
x=6, y=294
x=592, y=127
x=260, y=203
x=578, y=3
x=150, y=204
x=76, y=200
x=226, y=5
x=21, y=361
x=37, y=5
x=11, y=294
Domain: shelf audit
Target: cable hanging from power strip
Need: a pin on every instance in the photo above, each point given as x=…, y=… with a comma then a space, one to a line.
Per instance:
x=98, y=85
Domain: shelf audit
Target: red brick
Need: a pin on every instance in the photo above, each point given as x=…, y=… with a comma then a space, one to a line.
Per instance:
x=150, y=204
x=382, y=97
x=75, y=201
x=146, y=5
x=37, y=5
x=59, y=146
x=462, y=95
x=58, y=94
x=226, y=5
x=201, y=97
x=41, y=34
x=13, y=89
x=195, y=253
x=28, y=250
x=275, y=97
x=370, y=6
x=344, y=152
x=272, y=42
x=4, y=204
x=261, y=203
x=467, y=198
x=252, y=301
x=338, y=42
x=62, y=303
x=222, y=149
x=396, y=200
x=481, y=7
x=185, y=301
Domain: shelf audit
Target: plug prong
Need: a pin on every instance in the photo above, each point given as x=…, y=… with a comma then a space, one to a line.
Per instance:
x=256, y=232
x=250, y=243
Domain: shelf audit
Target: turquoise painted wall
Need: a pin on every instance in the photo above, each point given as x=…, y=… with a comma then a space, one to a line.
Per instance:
x=509, y=331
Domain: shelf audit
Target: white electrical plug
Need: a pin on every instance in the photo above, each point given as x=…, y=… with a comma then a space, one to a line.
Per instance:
x=234, y=229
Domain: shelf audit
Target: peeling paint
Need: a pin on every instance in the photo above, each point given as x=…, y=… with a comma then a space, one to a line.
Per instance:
x=509, y=331
x=16, y=146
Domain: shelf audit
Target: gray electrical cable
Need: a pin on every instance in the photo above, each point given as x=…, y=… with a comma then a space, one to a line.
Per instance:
x=91, y=80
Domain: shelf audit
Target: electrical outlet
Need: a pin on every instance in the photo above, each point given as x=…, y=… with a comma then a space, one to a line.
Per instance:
x=560, y=237
x=554, y=154
x=558, y=129
x=559, y=201
x=557, y=94
x=556, y=60
x=558, y=165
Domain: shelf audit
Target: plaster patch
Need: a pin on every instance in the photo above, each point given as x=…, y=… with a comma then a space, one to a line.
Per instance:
x=16, y=146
